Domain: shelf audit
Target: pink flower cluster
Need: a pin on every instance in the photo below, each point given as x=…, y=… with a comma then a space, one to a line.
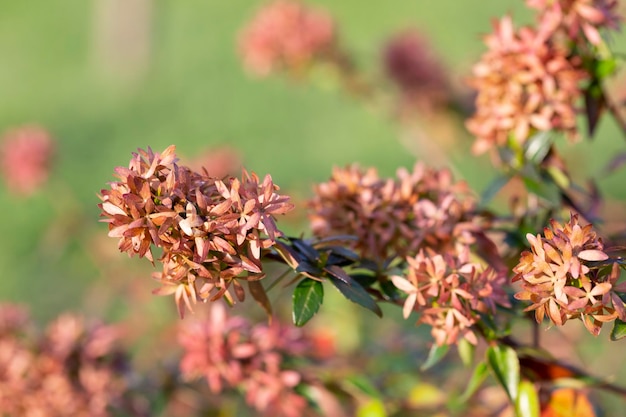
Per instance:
x=531, y=79
x=579, y=17
x=71, y=370
x=395, y=217
x=286, y=35
x=211, y=232
x=525, y=84
x=558, y=279
x=25, y=159
x=230, y=352
x=450, y=294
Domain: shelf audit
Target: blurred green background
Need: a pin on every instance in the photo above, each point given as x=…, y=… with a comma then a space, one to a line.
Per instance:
x=101, y=99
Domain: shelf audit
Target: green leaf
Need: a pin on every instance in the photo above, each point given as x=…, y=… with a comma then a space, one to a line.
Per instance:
x=364, y=385
x=538, y=146
x=307, y=267
x=504, y=364
x=481, y=371
x=544, y=188
x=258, y=293
x=307, y=299
x=527, y=402
x=435, y=354
x=305, y=249
x=493, y=188
x=619, y=330
x=605, y=67
x=354, y=292
x=466, y=351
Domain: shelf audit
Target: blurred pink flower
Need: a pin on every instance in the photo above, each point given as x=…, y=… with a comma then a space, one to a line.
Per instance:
x=579, y=17
x=285, y=34
x=218, y=162
x=74, y=369
x=25, y=159
x=230, y=352
x=411, y=64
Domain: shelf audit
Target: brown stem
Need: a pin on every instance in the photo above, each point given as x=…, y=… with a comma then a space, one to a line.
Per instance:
x=615, y=112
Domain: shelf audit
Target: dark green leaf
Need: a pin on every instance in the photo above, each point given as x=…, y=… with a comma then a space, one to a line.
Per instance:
x=339, y=273
x=478, y=377
x=435, y=354
x=544, y=188
x=493, y=188
x=365, y=280
x=354, y=292
x=307, y=299
x=504, y=364
x=309, y=268
x=619, y=330
x=305, y=249
x=258, y=293
x=527, y=402
x=389, y=289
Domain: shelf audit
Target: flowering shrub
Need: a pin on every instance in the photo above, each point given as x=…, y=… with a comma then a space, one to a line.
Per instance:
x=478, y=276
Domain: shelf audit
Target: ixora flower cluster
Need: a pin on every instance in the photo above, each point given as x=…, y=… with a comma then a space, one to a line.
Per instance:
x=230, y=352
x=286, y=35
x=450, y=295
x=531, y=79
x=566, y=275
x=73, y=369
x=211, y=232
x=394, y=218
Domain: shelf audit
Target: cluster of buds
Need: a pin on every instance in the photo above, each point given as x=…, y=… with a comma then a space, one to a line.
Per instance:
x=211, y=232
x=410, y=63
x=450, y=294
x=395, y=217
x=73, y=369
x=531, y=80
x=286, y=35
x=230, y=352
x=25, y=159
x=566, y=275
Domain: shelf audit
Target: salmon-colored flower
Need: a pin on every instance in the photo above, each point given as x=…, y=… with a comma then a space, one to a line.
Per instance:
x=449, y=294
x=74, y=369
x=25, y=159
x=230, y=352
x=557, y=277
x=394, y=217
x=286, y=35
x=579, y=17
x=525, y=84
x=211, y=231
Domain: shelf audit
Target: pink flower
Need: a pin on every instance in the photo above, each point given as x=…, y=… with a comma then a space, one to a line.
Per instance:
x=285, y=35
x=25, y=159
x=525, y=84
x=410, y=63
